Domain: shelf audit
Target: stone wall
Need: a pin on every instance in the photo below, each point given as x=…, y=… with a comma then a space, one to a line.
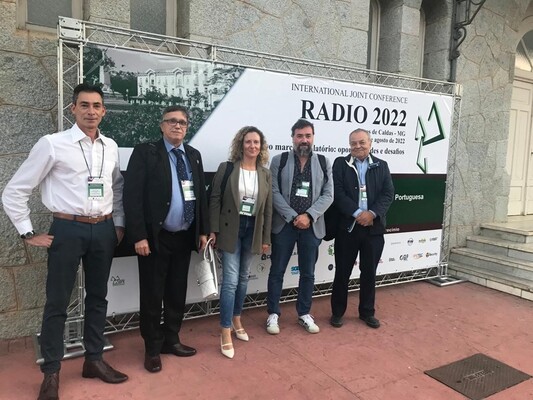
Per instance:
x=330, y=31
x=485, y=69
x=28, y=77
x=28, y=110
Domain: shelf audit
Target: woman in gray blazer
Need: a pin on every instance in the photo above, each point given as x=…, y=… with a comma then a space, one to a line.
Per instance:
x=240, y=216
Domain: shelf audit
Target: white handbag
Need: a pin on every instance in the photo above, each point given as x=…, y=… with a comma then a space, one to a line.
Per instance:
x=206, y=272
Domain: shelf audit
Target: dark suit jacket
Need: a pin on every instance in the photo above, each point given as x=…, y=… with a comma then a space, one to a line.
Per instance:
x=148, y=191
x=380, y=191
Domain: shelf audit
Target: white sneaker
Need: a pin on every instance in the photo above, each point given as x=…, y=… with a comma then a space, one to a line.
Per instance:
x=308, y=323
x=272, y=324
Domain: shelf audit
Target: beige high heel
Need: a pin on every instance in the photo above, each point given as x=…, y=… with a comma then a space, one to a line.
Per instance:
x=226, y=352
x=240, y=333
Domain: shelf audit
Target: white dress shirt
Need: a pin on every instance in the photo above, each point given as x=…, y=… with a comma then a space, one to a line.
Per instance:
x=60, y=167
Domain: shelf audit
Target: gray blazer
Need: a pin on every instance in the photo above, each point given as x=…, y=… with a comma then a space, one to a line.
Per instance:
x=322, y=194
x=224, y=216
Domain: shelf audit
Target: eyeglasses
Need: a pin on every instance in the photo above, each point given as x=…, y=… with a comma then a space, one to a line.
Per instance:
x=174, y=122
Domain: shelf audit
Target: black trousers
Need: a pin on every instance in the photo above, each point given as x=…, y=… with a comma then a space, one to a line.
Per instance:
x=163, y=280
x=94, y=245
x=347, y=246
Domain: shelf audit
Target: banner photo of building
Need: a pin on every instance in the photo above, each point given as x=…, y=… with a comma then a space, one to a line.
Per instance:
x=410, y=130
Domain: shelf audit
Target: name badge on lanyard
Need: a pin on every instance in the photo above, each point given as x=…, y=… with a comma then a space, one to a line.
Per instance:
x=363, y=199
x=188, y=190
x=95, y=188
x=303, y=189
x=247, y=206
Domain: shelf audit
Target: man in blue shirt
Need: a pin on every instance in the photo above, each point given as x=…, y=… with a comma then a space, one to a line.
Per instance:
x=165, y=203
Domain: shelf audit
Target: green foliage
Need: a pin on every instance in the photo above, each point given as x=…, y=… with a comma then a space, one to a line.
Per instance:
x=225, y=76
x=124, y=83
x=93, y=58
x=138, y=124
x=131, y=119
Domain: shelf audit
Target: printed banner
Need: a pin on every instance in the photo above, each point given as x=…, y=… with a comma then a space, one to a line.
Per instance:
x=410, y=130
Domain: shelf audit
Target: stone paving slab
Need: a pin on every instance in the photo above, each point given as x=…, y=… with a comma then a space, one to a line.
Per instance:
x=423, y=327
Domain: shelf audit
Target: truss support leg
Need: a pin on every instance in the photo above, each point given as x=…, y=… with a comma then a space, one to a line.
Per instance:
x=72, y=349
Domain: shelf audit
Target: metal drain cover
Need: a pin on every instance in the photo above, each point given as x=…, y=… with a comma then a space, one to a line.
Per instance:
x=478, y=376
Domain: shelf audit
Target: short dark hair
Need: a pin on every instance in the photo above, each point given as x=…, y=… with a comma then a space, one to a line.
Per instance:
x=300, y=124
x=85, y=87
x=174, y=108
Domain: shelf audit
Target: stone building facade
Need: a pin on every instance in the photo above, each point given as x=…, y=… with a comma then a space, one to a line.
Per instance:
x=408, y=37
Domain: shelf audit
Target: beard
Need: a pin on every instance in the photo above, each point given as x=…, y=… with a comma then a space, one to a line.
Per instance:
x=303, y=150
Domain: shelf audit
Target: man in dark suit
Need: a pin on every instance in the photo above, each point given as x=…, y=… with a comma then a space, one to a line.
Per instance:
x=165, y=203
x=363, y=192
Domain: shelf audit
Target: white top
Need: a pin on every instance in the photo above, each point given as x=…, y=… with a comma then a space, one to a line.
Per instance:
x=57, y=164
x=248, y=183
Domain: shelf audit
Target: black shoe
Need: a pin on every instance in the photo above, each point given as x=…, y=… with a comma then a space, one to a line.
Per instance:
x=49, y=387
x=152, y=363
x=371, y=321
x=336, y=321
x=102, y=370
x=178, y=349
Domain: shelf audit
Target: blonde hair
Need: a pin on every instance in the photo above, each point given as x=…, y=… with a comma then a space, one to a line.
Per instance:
x=236, y=149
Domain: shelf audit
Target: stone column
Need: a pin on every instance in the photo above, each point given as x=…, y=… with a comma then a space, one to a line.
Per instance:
x=116, y=12
x=399, y=45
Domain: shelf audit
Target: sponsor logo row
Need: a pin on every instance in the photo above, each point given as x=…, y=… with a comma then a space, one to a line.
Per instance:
x=414, y=256
x=412, y=241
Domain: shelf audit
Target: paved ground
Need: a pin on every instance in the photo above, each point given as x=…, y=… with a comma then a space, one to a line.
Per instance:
x=423, y=327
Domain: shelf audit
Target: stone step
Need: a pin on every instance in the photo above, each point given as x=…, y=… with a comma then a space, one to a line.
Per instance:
x=487, y=261
x=520, y=251
x=518, y=233
x=495, y=280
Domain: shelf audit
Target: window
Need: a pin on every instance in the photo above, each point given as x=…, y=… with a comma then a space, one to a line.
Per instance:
x=524, y=53
x=43, y=15
x=373, y=35
x=155, y=16
x=422, y=39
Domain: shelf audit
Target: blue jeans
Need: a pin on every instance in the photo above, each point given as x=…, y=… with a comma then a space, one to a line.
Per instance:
x=282, y=247
x=235, y=273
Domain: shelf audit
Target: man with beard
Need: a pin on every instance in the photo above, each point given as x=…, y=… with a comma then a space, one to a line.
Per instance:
x=302, y=190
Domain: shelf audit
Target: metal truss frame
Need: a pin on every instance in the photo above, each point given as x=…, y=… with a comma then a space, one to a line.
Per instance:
x=130, y=321
x=75, y=34
x=443, y=279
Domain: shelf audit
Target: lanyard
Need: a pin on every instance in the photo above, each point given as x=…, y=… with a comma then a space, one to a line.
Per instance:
x=87, y=164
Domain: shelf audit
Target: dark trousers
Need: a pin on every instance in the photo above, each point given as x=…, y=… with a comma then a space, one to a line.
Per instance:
x=94, y=244
x=347, y=246
x=163, y=280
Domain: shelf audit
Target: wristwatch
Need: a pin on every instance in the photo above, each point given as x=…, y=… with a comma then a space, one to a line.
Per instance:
x=27, y=235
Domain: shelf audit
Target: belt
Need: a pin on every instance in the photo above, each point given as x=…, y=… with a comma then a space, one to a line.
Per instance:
x=82, y=218
x=175, y=232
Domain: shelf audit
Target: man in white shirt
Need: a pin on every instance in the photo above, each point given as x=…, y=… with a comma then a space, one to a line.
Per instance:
x=78, y=173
